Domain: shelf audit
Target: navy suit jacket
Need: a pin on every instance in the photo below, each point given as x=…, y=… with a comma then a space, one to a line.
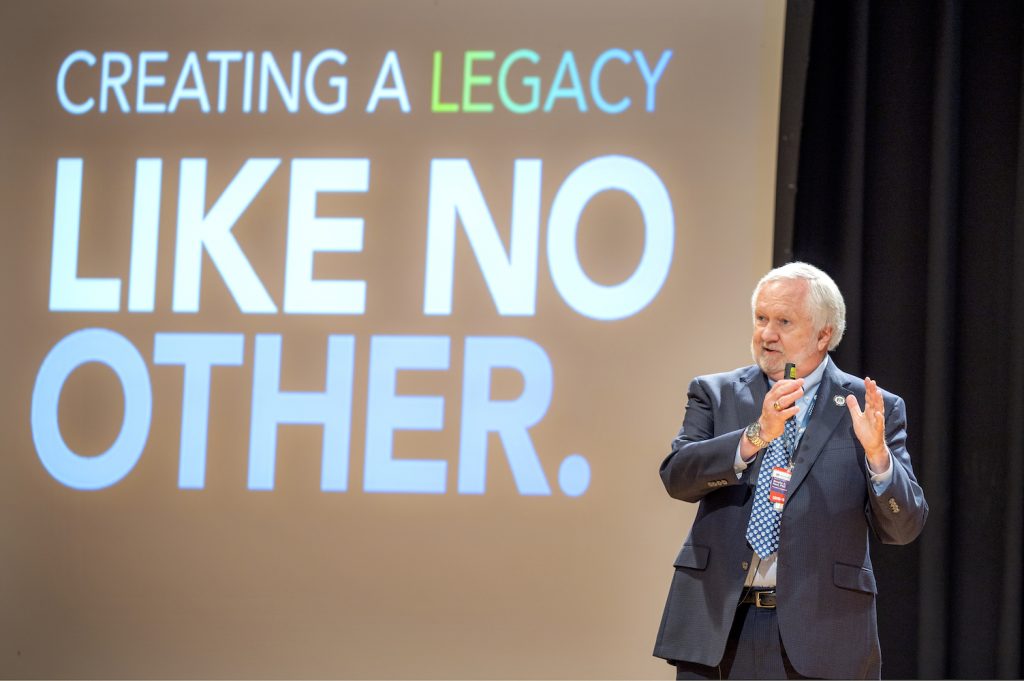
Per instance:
x=825, y=583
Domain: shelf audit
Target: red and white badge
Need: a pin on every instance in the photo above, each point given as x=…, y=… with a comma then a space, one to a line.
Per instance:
x=778, y=487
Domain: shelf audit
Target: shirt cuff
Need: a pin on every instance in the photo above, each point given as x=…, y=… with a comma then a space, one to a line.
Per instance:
x=739, y=465
x=880, y=481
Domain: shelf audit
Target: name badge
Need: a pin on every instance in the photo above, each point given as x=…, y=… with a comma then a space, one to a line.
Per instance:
x=777, y=489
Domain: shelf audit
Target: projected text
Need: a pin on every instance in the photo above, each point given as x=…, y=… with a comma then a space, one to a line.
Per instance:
x=455, y=198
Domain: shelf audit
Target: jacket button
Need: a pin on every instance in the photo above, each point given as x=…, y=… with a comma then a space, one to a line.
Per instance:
x=745, y=565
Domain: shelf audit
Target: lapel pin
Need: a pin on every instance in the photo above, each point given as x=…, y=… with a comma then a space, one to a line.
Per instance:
x=839, y=400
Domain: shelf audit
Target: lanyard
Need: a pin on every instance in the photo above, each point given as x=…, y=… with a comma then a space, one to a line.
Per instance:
x=800, y=432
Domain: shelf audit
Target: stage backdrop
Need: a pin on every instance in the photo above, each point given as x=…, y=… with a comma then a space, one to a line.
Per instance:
x=344, y=339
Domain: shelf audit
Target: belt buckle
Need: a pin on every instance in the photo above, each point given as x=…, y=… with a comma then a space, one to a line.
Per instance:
x=769, y=599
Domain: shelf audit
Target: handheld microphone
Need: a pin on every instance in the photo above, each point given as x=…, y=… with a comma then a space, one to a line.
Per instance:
x=789, y=373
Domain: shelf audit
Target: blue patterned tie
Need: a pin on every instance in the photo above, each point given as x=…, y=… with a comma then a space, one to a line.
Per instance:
x=763, y=526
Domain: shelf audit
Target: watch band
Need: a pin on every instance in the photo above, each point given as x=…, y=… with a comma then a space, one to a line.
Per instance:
x=753, y=434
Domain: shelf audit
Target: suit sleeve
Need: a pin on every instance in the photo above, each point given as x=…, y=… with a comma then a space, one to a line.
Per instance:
x=898, y=514
x=700, y=462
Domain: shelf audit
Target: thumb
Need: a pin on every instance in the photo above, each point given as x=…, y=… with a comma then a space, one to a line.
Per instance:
x=851, y=404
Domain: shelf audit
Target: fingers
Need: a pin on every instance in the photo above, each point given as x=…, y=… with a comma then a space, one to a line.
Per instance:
x=780, y=405
x=873, y=401
x=785, y=393
x=874, y=395
x=869, y=423
x=786, y=413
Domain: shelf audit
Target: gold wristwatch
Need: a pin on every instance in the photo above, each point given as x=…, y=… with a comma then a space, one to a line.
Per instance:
x=753, y=433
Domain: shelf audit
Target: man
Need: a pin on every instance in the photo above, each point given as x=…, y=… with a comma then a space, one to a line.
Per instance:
x=775, y=578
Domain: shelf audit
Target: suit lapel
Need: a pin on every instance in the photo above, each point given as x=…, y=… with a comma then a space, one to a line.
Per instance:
x=826, y=417
x=750, y=392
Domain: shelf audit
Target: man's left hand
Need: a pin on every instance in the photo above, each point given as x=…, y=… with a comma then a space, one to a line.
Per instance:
x=869, y=426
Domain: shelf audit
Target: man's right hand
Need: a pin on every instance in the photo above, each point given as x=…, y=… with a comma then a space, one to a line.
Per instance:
x=783, y=394
x=779, y=406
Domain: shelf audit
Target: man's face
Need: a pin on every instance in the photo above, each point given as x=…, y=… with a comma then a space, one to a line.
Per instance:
x=784, y=329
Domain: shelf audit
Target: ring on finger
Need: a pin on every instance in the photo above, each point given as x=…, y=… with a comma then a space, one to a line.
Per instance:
x=776, y=406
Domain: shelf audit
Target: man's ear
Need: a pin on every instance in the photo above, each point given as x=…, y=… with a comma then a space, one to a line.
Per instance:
x=824, y=338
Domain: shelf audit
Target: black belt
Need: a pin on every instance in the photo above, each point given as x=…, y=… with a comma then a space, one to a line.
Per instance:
x=759, y=598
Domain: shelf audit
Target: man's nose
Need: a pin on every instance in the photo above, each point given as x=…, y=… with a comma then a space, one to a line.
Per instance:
x=770, y=333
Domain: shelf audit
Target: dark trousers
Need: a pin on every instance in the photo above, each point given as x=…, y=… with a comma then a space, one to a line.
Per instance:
x=754, y=651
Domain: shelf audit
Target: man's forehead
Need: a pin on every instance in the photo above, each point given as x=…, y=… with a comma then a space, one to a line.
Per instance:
x=787, y=292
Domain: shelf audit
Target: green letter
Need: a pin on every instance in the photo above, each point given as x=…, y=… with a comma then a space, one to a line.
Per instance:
x=436, y=105
x=532, y=83
x=469, y=80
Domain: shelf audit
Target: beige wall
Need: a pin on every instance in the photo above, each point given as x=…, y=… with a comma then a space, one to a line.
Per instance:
x=144, y=579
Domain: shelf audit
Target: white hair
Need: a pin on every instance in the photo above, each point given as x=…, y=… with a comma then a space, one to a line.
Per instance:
x=824, y=299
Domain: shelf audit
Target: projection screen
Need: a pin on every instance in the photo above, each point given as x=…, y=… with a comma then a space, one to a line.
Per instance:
x=344, y=339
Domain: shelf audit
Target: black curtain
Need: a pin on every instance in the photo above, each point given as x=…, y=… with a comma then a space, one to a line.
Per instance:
x=901, y=173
